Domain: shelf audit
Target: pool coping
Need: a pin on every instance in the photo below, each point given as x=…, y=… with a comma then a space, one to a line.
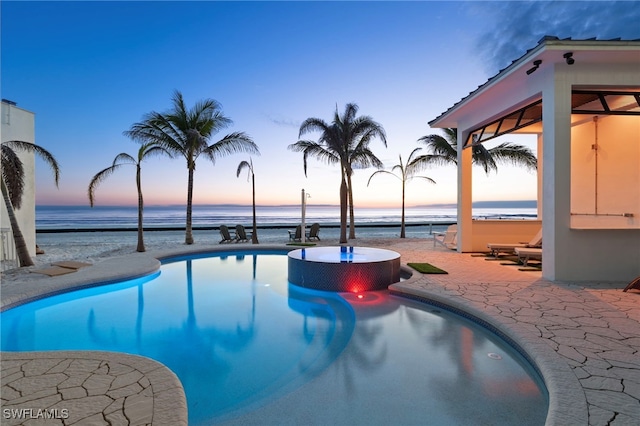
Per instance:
x=567, y=401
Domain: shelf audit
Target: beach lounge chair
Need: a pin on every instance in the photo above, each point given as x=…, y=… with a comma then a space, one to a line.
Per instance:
x=509, y=248
x=296, y=235
x=241, y=234
x=525, y=254
x=226, y=236
x=633, y=284
x=313, y=232
x=448, y=238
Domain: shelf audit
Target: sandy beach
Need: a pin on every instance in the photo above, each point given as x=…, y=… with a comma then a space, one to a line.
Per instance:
x=92, y=247
x=87, y=246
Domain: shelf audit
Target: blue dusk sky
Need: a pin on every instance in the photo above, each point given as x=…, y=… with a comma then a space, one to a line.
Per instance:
x=89, y=70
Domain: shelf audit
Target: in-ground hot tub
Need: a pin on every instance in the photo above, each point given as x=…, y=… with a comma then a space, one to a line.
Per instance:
x=345, y=269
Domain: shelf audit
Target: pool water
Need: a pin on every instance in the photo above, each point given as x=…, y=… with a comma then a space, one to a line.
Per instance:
x=250, y=348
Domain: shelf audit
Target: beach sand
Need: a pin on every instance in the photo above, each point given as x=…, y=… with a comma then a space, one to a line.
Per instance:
x=91, y=247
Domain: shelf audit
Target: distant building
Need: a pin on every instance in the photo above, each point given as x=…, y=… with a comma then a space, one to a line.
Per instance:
x=582, y=100
x=19, y=124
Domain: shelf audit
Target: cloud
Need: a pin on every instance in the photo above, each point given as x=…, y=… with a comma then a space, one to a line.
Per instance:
x=511, y=28
x=285, y=121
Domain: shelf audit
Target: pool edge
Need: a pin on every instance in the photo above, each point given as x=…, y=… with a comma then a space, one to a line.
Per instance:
x=167, y=397
x=567, y=401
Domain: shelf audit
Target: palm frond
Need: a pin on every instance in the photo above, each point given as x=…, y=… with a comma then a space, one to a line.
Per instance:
x=245, y=165
x=428, y=179
x=231, y=144
x=380, y=172
x=321, y=153
x=451, y=135
x=365, y=158
x=152, y=150
x=350, y=111
x=12, y=175
x=482, y=157
x=313, y=125
x=123, y=158
x=100, y=177
x=45, y=155
x=219, y=121
x=368, y=129
x=446, y=147
x=399, y=167
x=422, y=162
x=411, y=155
x=516, y=155
x=439, y=146
x=301, y=145
x=158, y=129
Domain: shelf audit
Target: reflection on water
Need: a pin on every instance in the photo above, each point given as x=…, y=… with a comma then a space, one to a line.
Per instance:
x=245, y=344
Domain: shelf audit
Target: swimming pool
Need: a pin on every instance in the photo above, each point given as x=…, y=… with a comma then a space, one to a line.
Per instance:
x=251, y=348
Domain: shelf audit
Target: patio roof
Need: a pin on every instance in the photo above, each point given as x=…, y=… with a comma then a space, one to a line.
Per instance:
x=599, y=102
x=550, y=50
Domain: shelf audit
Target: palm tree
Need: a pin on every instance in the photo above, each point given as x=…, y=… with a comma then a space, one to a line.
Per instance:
x=346, y=142
x=408, y=171
x=444, y=151
x=361, y=157
x=187, y=132
x=13, y=188
x=146, y=150
x=327, y=149
x=249, y=166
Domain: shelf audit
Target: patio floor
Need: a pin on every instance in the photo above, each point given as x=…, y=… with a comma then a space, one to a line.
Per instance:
x=584, y=338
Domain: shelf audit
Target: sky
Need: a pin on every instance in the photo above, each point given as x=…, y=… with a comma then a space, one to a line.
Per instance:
x=89, y=70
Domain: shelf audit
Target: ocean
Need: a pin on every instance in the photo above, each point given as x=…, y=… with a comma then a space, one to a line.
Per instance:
x=71, y=230
x=78, y=218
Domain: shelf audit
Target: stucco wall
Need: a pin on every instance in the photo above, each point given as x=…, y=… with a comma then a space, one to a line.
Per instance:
x=502, y=231
x=602, y=180
x=19, y=124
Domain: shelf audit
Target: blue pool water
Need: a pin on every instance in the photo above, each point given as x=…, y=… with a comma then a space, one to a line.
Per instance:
x=250, y=348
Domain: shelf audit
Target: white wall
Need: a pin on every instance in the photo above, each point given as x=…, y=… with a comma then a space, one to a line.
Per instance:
x=602, y=189
x=502, y=231
x=19, y=124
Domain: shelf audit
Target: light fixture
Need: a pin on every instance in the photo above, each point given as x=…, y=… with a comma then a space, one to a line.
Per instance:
x=536, y=65
x=569, y=58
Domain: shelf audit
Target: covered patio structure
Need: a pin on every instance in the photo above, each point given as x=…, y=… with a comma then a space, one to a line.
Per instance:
x=581, y=98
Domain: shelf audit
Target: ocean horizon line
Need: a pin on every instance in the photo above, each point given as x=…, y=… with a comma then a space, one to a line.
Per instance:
x=211, y=216
x=217, y=227
x=477, y=204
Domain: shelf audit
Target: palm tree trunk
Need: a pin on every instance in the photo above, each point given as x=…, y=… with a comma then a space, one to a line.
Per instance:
x=188, y=238
x=352, y=224
x=140, y=247
x=254, y=236
x=21, y=245
x=343, y=210
x=402, y=235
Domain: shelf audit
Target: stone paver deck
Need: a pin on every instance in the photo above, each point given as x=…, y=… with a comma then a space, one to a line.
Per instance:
x=583, y=338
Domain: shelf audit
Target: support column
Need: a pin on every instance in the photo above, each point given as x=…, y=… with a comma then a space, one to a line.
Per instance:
x=539, y=195
x=556, y=179
x=465, y=196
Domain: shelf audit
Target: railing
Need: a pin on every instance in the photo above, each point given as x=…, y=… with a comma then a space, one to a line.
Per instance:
x=9, y=258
